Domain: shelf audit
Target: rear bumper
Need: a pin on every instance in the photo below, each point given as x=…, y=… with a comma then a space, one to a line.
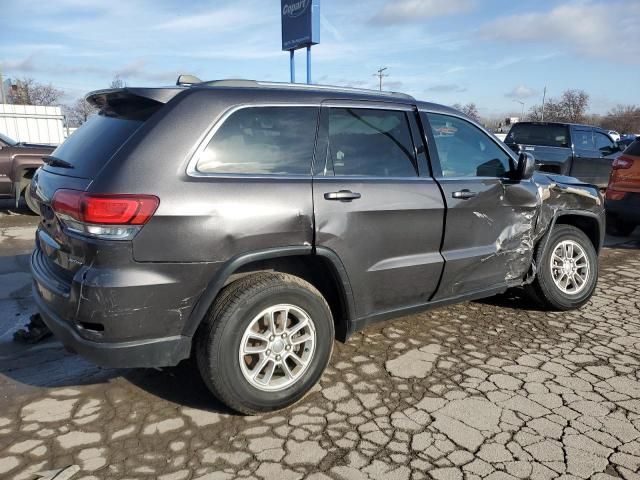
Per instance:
x=157, y=352
x=627, y=209
x=129, y=317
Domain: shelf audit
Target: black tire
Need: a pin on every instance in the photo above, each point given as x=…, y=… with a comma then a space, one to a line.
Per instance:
x=544, y=289
x=619, y=228
x=219, y=338
x=31, y=203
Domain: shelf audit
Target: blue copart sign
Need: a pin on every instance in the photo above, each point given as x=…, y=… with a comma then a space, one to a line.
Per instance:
x=300, y=23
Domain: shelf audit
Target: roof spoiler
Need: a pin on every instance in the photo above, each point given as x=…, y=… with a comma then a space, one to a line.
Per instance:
x=114, y=96
x=187, y=80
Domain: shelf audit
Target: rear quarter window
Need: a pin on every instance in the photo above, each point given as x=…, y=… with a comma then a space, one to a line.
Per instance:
x=262, y=141
x=543, y=135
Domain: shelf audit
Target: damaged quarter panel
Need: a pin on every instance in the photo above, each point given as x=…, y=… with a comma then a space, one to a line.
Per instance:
x=225, y=214
x=565, y=199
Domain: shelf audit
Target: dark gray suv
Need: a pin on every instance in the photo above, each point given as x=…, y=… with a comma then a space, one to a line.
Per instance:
x=249, y=224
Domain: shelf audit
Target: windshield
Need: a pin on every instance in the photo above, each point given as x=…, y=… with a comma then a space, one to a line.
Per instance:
x=539, y=134
x=8, y=140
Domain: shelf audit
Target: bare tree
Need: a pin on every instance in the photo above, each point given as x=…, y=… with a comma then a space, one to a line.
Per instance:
x=27, y=91
x=469, y=109
x=117, y=82
x=79, y=112
x=570, y=107
x=623, y=119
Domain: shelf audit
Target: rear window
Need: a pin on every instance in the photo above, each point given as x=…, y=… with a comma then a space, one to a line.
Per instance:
x=93, y=144
x=543, y=135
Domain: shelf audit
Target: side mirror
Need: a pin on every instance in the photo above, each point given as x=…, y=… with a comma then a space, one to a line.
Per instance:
x=526, y=166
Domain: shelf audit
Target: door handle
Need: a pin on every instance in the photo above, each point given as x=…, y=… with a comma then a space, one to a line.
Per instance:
x=464, y=194
x=342, y=195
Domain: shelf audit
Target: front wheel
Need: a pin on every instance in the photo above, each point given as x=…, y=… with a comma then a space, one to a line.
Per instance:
x=265, y=343
x=567, y=269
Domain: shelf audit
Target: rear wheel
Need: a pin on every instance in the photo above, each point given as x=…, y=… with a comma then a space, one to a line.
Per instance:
x=266, y=342
x=567, y=269
x=619, y=228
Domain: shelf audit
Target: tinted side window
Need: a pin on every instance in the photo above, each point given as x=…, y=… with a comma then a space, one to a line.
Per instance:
x=466, y=151
x=633, y=149
x=262, y=140
x=370, y=142
x=603, y=142
x=582, y=139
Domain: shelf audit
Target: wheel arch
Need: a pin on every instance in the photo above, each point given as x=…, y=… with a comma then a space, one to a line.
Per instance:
x=587, y=222
x=321, y=267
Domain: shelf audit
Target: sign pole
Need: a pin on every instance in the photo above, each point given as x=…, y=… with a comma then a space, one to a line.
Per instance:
x=292, y=66
x=308, y=64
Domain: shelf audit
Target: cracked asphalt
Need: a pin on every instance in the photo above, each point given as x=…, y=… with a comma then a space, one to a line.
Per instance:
x=495, y=389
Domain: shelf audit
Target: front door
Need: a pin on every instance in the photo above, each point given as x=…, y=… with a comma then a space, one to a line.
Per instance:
x=380, y=213
x=490, y=218
x=594, y=153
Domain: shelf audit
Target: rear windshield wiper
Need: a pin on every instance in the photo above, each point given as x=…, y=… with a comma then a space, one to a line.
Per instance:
x=56, y=162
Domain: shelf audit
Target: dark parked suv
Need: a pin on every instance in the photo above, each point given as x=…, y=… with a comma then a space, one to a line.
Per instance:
x=582, y=151
x=248, y=224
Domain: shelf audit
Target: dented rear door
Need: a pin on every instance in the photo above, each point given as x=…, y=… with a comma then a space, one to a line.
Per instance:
x=488, y=239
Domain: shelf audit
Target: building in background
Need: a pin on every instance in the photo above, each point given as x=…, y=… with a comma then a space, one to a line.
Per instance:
x=32, y=123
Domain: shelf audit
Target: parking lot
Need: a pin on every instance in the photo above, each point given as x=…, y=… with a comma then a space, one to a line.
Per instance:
x=492, y=389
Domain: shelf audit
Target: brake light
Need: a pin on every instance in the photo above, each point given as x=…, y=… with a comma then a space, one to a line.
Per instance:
x=104, y=216
x=615, y=194
x=622, y=163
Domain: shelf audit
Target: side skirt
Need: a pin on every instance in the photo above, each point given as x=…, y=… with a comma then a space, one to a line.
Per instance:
x=360, y=323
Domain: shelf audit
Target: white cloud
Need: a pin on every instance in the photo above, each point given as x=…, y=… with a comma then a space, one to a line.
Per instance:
x=522, y=91
x=402, y=11
x=607, y=30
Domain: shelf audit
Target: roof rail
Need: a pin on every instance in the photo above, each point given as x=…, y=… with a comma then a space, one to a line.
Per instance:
x=300, y=86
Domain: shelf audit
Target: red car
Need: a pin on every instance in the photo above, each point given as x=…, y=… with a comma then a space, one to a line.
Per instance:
x=623, y=193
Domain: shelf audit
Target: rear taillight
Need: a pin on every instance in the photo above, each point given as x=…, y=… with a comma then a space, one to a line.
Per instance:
x=622, y=163
x=615, y=194
x=115, y=217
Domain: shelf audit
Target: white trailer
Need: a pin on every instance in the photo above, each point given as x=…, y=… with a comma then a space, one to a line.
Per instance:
x=32, y=123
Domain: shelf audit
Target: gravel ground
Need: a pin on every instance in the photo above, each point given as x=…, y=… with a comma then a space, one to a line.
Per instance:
x=494, y=389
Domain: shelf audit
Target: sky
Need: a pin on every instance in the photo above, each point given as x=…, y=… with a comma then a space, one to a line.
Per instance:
x=494, y=53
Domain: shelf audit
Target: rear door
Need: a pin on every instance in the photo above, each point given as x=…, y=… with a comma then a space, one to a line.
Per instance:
x=594, y=153
x=490, y=217
x=376, y=205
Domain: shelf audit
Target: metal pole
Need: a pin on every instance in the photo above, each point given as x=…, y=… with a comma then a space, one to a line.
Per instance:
x=292, y=66
x=544, y=96
x=309, y=64
x=2, y=88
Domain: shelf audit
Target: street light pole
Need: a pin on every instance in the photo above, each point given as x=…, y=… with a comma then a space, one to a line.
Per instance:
x=2, y=88
x=521, y=103
x=381, y=74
